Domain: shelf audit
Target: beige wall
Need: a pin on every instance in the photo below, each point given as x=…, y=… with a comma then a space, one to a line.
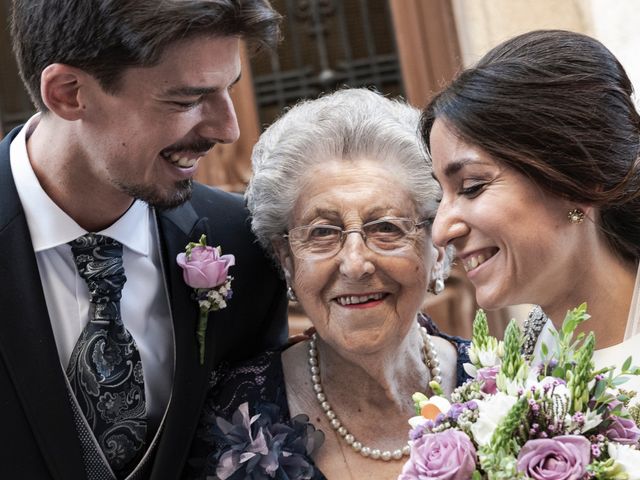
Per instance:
x=482, y=24
x=616, y=25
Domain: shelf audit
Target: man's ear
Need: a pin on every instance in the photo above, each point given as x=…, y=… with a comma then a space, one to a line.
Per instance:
x=60, y=88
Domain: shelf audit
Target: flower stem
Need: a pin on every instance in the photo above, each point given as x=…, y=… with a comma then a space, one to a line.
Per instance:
x=201, y=332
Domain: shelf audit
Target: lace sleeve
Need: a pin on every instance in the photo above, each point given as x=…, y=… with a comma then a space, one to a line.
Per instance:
x=258, y=379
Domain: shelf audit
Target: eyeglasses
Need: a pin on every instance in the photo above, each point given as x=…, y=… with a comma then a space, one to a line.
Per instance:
x=386, y=236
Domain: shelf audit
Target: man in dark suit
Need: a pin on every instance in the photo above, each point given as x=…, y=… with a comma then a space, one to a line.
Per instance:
x=131, y=94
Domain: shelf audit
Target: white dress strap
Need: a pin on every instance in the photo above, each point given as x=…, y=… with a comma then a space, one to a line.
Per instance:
x=633, y=321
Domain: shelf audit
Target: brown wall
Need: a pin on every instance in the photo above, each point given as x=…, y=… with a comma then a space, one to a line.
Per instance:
x=229, y=166
x=427, y=44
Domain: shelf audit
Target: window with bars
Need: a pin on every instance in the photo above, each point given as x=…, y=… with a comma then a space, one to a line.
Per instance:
x=327, y=44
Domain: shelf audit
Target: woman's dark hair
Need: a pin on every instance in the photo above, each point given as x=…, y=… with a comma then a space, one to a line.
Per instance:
x=106, y=37
x=556, y=106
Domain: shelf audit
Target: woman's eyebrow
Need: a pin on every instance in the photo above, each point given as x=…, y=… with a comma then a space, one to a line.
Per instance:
x=455, y=166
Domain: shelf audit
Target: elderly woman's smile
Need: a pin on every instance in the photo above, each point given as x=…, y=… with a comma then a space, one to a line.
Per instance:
x=361, y=301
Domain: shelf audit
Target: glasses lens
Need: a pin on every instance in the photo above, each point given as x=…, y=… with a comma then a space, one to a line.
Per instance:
x=387, y=235
x=315, y=241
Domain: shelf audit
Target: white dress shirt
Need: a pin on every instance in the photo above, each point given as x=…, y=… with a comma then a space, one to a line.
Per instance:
x=144, y=304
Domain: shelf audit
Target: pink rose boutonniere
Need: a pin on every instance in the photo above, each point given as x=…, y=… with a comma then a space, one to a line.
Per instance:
x=206, y=270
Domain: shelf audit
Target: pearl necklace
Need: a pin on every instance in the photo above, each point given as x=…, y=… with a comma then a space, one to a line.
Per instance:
x=430, y=359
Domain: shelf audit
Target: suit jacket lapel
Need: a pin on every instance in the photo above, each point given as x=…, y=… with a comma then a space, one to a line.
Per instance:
x=178, y=227
x=27, y=345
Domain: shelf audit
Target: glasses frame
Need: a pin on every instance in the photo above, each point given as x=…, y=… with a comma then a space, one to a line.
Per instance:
x=415, y=226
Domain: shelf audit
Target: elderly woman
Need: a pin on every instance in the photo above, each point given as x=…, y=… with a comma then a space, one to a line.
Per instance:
x=343, y=198
x=536, y=149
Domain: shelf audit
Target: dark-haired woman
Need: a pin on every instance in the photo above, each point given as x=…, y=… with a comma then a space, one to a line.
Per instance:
x=536, y=151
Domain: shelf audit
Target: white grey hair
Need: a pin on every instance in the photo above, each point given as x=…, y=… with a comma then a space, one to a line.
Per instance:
x=346, y=125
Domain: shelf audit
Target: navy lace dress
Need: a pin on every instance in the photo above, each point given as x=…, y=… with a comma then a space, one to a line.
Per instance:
x=260, y=382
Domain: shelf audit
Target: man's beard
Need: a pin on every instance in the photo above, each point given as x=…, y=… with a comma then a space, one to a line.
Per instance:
x=160, y=200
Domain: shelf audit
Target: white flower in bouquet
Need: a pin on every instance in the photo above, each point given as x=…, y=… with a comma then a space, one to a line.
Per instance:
x=511, y=386
x=591, y=420
x=428, y=408
x=486, y=351
x=490, y=356
x=551, y=387
x=626, y=457
x=491, y=413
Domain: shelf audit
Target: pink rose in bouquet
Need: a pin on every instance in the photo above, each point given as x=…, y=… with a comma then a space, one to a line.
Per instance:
x=487, y=376
x=448, y=455
x=564, y=457
x=623, y=430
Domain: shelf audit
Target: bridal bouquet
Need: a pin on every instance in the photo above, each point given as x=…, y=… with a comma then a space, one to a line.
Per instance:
x=555, y=418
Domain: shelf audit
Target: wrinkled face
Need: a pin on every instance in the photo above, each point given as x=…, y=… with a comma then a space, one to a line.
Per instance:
x=513, y=239
x=358, y=300
x=145, y=141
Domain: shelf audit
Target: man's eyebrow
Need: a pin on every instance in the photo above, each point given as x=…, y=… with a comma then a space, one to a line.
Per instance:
x=187, y=91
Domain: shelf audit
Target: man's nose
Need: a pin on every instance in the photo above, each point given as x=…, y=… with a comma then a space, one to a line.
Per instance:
x=219, y=122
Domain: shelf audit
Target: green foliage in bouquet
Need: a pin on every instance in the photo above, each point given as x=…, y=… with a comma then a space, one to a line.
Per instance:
x=480, y=336
x=498, y=458
x=566, y=344
x=513, y=363
x=514, y=367
x=607, y=470
x=634, y=413
x=578, y=379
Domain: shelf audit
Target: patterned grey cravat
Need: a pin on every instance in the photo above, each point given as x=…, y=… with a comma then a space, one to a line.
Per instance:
x=105, y=370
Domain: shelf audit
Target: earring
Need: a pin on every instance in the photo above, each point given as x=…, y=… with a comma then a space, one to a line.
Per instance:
x=576, y=215
x=437, y=286
x=291, y=295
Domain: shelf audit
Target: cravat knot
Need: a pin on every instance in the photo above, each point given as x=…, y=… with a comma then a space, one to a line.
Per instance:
x=99, y=262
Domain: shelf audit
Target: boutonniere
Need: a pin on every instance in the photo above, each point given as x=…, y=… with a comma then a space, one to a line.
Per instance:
x=206, y=270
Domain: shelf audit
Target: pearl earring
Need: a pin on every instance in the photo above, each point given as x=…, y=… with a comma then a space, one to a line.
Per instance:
x=291, y=294
x=437, y=286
